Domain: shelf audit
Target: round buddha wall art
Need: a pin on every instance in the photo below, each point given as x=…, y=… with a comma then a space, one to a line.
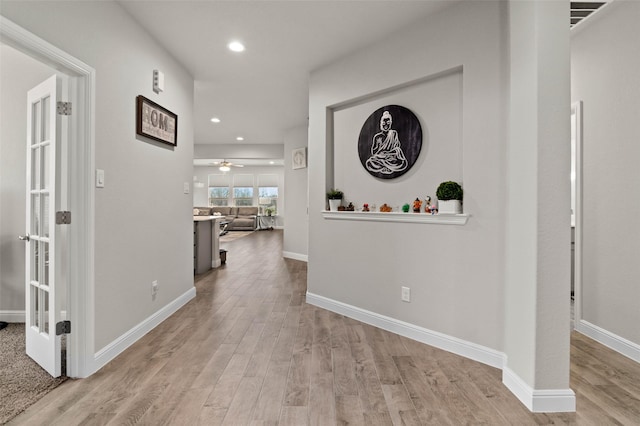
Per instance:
x=390, y=142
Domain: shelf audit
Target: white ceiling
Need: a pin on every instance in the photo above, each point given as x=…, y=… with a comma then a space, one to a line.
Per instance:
x=244, y=162
x=262, y=92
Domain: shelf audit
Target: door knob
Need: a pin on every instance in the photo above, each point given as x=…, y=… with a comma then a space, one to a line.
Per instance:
x=24, y=237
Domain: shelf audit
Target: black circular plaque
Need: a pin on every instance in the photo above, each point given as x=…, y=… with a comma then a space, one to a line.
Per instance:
x=390, y=142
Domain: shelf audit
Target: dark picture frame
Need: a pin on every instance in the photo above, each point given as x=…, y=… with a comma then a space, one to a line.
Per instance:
x=156, y=122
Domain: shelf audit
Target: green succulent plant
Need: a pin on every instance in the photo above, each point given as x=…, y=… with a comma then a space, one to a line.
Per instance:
x=449, y=191
x=335, y=194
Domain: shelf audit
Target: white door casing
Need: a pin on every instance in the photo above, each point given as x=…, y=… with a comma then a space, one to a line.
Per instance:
x=41, y=258
x=576, y=219
x=81, y=164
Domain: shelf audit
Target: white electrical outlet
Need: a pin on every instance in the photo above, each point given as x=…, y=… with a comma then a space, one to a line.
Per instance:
x=406, y=294
x=154, y=289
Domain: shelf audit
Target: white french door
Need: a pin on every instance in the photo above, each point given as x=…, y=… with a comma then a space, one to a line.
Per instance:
x=42, y=300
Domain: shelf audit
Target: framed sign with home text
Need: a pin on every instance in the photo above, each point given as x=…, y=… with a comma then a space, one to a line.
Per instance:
x=155, y=122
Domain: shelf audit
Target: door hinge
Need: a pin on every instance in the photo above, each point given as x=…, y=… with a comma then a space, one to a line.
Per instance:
x=63, y=327
x=64, y=108
x=63, y=218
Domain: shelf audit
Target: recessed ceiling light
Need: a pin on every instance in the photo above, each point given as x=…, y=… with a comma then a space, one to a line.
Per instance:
x=236, y=46
x=215, y=120
x=272, y=162
x=239, y=138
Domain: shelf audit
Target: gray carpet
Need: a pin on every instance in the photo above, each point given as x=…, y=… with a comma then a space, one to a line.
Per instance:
x=22, y=381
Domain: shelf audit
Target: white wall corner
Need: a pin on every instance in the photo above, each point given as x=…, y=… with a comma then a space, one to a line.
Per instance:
x=539, y=401
x=295, y=256
x=610, y=340
x=12, y=316
x=442, y=341
x=119, y=345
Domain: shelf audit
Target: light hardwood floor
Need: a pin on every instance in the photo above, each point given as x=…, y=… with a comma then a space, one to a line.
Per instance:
x=249, y=351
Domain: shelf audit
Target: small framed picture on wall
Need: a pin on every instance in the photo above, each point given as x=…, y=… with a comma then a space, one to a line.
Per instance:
x=299, y=158
x=155, y=122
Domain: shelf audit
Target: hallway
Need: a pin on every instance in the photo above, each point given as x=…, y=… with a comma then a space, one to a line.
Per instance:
x=249, y=350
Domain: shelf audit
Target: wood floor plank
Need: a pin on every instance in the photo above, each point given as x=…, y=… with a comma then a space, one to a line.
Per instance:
x=298, y=381
x=248, y=350
x=387, y=372
x=369, y=387
x=401, y=408
x=349, y=410
x=269, y=402
x=343, y=366
x=321, y=347
x=429, y=407
x=262, y=353
x=210, y=416
x=294, y=416
x=243, y=404
x=322, y=407
x=226, y=386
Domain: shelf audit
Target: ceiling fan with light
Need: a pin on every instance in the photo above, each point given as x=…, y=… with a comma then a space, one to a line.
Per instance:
x=225, y=165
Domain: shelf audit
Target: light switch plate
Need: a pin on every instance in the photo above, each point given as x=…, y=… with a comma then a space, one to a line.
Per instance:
x=186, y=187
x=99, y=178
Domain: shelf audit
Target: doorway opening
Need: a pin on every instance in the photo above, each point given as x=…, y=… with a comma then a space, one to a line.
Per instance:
x=576, y=212
x=79, y=164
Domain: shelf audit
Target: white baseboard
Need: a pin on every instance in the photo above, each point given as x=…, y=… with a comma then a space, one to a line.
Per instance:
x=457, y=346
x=539, y=401
x=115, y=348
x=295, y=256
x=12, y=316
x=610, y=340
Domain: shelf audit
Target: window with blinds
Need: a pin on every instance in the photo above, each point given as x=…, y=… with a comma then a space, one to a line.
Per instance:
x=243, y=190
x=219, y=190
x=268, y=193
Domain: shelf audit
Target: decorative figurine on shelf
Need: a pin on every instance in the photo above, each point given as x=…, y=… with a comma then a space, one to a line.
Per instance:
x=350, y=207
x=427, y=202
x=406, y=208
x=416, y=205
x=365, y=207
x=434, y=209
x=385, y=208
x=341, y=208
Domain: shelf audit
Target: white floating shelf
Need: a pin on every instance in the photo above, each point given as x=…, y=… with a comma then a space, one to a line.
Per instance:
x=441, y=219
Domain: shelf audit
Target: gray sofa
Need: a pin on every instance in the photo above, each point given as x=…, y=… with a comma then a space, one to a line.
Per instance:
x=239, y=218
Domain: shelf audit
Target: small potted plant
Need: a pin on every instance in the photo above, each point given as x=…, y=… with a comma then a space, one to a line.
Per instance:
x=335, y=199
x=270, y=210
x=449, y=198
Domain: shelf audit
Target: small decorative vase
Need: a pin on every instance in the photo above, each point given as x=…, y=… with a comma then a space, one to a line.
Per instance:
x=334, y=204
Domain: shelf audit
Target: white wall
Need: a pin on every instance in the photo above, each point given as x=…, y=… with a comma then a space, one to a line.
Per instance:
x=537, y=261
x=296, y=234
x=454, y=71
x=604, y=75
x=201, y=198
x=143, y=221
x=18, y=74
x=456, y=273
